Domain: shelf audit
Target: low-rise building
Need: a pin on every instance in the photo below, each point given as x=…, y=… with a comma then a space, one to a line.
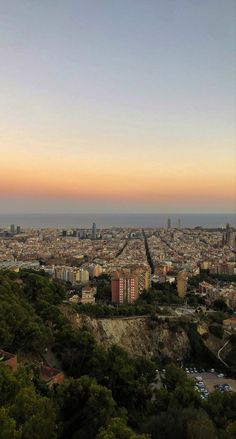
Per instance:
x=230, y=323
x=9, y=359
x=87, y=297
x=50, y=375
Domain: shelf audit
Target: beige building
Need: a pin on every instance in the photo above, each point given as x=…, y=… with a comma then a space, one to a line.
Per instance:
x=182, y=283
x=84, y=276
x=143, y=275
x=230, y=323
x=205, y=265
x=87, y=297
x=97, y=271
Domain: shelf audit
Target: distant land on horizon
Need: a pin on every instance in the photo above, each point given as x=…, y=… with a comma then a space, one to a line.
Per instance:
x=103, y=220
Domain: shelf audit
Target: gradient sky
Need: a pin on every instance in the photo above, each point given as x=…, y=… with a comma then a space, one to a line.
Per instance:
x=125, y=106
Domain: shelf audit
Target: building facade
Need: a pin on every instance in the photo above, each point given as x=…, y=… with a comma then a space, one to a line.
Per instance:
x=124, y=289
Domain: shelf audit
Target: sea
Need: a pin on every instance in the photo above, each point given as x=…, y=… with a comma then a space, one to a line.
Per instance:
x=108, y=220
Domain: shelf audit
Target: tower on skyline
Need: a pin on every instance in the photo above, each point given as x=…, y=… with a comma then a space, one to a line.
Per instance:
x=169, y=223
x=229, y=237
x=94, y=231
x=12, y=229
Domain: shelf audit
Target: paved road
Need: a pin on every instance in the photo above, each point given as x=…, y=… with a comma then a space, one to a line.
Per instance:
x=219, y=352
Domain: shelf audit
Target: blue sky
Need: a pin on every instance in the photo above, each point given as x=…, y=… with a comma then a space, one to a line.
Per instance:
x=146, y=85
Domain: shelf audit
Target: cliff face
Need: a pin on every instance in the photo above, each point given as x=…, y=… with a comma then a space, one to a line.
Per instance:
x=135, y=335
x=211, y=342
x=140, y=336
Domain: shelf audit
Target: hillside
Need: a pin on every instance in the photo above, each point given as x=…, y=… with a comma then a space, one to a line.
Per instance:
x=135, y=335
x=108, y=389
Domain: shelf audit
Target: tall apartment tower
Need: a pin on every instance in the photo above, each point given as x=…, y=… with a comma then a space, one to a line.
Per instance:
x=179, y=223
x=12, y=229
x=124, y=289
x=227, y=234
x=182, y=283
x=94, y=231
x=229, y=237
x=169, y=223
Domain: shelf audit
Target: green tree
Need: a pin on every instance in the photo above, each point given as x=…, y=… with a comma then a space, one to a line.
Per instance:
x=166, y=425
x=216, y=330
x=118, y=429
x=231, y=430
x=9, y=385
x=201, y=428
x=8, y=426
x=84, y=407
x=161, y=401
x=185, y=396
x=34, y=414
x=174, y=376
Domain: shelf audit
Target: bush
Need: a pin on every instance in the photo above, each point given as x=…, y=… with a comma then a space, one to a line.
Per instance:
x=216, y=330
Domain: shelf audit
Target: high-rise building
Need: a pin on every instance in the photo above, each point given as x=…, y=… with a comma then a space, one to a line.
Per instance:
x=82, y=234
x=94, y=231
x=227, y=234
x=84, y=276
x=179, y=223
x=143, y=275
x=124, y=289
x=12, y=229
x=182, y=283
x=229, y=237
x=131, y=289
x=169, y=223
x=18, y=229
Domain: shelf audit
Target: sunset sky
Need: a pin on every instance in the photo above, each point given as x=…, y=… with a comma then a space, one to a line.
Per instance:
x=117, y=106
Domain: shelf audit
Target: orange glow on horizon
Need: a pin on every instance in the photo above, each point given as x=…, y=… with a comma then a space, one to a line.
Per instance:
x=120, y=176
x=99, y=184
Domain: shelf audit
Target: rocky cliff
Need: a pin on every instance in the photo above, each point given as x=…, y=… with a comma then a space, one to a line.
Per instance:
x=136, y=335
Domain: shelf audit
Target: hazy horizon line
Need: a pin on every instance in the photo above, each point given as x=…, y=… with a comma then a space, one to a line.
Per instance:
x=118, y=213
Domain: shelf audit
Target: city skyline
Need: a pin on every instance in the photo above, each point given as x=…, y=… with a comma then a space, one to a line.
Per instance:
x=122, y=106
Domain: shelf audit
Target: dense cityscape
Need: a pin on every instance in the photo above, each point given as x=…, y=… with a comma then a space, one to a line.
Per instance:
x=117, y=219
x=159, y=299
x=140, y=257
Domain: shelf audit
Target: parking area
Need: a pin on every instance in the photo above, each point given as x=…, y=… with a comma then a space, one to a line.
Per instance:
x=209, y=381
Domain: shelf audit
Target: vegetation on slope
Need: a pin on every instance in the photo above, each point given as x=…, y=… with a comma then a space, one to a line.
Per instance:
x=106, y=395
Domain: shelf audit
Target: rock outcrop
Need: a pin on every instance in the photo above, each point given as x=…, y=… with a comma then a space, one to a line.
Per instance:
x=137, y=336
